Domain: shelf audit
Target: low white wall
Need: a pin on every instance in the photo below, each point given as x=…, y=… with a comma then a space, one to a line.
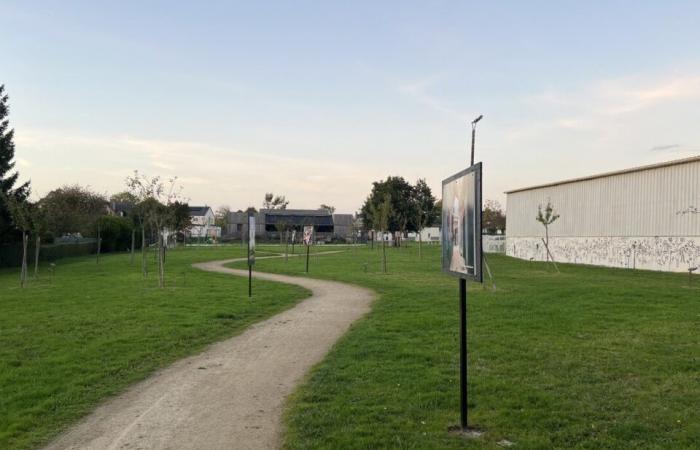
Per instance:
x=493, y=243
x=671, y=254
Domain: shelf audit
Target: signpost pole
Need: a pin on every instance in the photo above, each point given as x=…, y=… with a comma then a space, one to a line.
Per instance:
x=251, y=251
x=307, y=258
x=463, y=353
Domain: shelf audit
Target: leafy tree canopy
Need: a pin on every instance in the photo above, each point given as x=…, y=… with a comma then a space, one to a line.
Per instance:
x=73, y=209
x=410, y=205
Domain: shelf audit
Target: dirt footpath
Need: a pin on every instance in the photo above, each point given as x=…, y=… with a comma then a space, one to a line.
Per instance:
x=231, y=395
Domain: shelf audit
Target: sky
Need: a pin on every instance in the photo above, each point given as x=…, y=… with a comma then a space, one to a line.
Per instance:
x=316, y=100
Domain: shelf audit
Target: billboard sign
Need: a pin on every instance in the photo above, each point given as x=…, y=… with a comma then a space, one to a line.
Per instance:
x=251, y=239
x=308, y=234
x=461, y=224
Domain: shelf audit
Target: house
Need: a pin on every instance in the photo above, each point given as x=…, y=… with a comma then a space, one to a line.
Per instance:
x=202, y=218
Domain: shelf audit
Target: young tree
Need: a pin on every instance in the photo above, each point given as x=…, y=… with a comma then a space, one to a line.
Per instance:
x=222, y=218
x=329, y=208
x=20, y=213
x=437, y=215
x=380, y=217
x=275, y=202
x=425, y=209
x=493, y=218
x=127, y=202
x=161, y=208
x=8, y=177
x=546, y=218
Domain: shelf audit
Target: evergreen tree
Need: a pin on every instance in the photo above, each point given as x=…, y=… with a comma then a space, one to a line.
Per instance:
x=8, y=178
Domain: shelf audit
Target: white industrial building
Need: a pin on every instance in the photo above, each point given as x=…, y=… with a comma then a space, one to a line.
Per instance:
x=645, y=218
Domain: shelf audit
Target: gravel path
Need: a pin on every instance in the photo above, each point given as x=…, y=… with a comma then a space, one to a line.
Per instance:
x=231, y=395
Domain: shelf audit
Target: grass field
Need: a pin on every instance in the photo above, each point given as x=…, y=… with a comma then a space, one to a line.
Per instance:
x=68, y=343
x=589, y=358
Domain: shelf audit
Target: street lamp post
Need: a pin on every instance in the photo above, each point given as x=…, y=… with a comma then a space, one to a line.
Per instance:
x=474, y=135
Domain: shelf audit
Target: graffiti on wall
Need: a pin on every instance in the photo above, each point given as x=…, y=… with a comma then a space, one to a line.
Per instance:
x=676, y=254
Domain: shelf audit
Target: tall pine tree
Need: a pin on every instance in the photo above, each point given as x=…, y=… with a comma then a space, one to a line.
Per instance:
x=8, y=177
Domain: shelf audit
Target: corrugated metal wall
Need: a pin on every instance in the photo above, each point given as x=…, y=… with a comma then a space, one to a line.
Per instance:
x=641, y=203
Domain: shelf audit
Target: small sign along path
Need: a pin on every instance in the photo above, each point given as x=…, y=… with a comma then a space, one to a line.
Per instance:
x=231, y=395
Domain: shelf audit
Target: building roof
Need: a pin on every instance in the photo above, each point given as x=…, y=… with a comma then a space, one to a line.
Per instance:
x=610, y=174
x=298, y=217
x=199, y=210
x=295, y=212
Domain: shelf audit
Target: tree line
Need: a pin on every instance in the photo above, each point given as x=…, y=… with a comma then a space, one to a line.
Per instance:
x=148, y=212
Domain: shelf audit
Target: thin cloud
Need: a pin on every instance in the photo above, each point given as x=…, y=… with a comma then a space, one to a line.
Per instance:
x=661, y=148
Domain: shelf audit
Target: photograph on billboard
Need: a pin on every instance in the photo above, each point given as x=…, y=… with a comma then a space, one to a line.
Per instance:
x=461, y=224
x=251, y=240
x=308, y=234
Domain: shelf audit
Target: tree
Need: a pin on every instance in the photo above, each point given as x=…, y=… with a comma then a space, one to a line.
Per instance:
x=162, y=210
x=329, y=208
x=425, y=209
x=21, y=218
x=546, y=218
x=437, y=214
x=8, y=178
x=275, y=202
x=402, y=216
x=127, y=202
x=493, y=218
x=73, y=209
x=222, y=218
x=126, y=198
x=380, y=217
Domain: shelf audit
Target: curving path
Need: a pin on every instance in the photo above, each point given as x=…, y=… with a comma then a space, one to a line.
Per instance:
x=231, y=395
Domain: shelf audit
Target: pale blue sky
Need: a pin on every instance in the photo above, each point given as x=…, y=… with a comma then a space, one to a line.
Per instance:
x=317, y=99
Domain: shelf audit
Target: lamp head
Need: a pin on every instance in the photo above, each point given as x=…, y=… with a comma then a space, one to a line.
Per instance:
x=477, y=119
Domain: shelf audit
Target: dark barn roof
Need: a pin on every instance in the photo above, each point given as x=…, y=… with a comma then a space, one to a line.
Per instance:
x=199, y=210
x=300, y=217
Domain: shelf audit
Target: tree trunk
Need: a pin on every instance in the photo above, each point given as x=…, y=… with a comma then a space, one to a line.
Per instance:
x=144, y=268
x=161, y=263
x=133, y=244
x=420, y=244
x=36, y=256
x=546, y=241
x=99, y=241
x=23, y=272
x=384, y=254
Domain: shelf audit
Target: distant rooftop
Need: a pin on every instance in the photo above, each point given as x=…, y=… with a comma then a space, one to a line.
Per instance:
x=296, y=212
x=199, y=210
x=610, y=174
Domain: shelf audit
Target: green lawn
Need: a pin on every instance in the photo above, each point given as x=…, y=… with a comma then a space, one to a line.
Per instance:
x=66, y=344
x=589, y=358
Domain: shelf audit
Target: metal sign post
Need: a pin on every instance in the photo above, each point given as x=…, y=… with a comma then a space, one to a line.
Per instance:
x=251, y=250
x=462, y=254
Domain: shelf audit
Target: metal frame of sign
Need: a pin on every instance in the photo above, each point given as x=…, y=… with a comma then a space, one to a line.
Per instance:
x=463, y=277
x=251, y=250
x=478, y=263
x=251, y=239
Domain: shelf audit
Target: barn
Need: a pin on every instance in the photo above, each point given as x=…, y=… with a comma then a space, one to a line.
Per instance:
x=644, y=217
